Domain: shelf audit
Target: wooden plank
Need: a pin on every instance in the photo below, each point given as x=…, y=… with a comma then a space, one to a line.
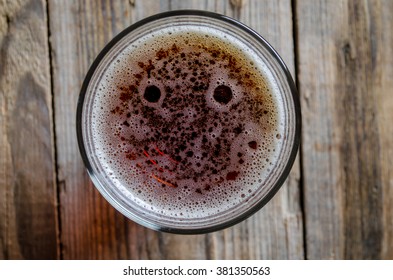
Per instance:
x=28, y=228
x=345, y=70
x=91, y=228
x=383, y=85
x=275, y=232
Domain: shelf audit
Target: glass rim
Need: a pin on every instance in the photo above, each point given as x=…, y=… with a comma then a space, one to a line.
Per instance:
x=295, y=100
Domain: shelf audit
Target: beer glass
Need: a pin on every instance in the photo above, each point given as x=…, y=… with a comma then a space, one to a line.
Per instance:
x=188, y=122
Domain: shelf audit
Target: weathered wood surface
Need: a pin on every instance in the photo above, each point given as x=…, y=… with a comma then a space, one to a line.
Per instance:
x=343, y=57
x=346, y=81
x=28, y=227
x=90, y=227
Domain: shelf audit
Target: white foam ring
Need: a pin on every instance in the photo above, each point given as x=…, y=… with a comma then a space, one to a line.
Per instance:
x=225, y=161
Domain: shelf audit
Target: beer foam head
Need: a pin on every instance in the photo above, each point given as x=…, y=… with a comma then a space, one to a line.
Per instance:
x=187, y=123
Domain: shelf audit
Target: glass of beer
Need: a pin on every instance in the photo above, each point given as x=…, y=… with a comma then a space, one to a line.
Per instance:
x=188, y=122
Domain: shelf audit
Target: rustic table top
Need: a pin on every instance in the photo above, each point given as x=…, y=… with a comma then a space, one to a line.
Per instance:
x=337, y=202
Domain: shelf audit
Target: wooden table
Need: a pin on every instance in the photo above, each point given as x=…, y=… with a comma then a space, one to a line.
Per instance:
x=337, y=202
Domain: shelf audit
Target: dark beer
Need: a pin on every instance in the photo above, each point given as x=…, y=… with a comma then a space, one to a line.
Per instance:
x=188, y=122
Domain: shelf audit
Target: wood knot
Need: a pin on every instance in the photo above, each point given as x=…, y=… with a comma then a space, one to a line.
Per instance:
x=237, y=4
x=348, y=52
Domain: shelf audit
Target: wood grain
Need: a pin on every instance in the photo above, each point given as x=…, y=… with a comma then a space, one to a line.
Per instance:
x=28, y=225
x=345, y=79
x=344, y=63
x=275, y=232
x=90, y=227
